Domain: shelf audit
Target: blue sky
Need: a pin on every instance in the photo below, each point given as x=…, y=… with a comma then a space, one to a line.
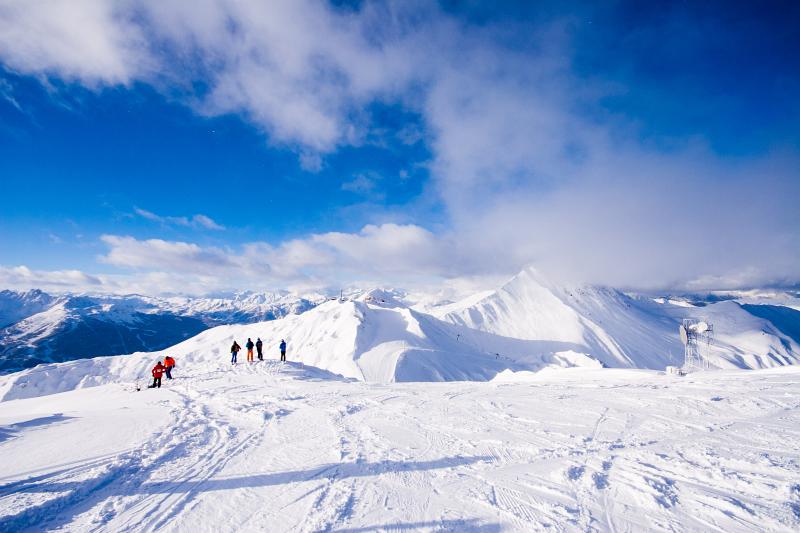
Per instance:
x=149, y=147
x=91, y=160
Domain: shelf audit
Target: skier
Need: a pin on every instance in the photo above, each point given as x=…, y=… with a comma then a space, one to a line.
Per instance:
x=234, y=351
x=157, y=372
x=169, y=364
x=283, y=350
x=249, y=346
x=259, y=346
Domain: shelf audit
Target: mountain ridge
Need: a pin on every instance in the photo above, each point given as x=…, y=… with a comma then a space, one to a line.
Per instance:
x=381, y=334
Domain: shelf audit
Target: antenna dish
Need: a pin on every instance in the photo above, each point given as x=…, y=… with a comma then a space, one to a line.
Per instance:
x=683, y=334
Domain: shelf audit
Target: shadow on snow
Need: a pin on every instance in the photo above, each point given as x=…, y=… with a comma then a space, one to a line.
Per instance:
x=465, y=526
x=119, y=482
x=7, y=432
x=331, y=471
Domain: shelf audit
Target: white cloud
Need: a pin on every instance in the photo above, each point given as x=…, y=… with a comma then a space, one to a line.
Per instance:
x=384, y=254
x=365, y=184
x=300, y=69
x=91, y=41
x=198, y=220
x=7, y=93
x=157, y=254
x=206, y=222
x=386, y=249
x=62, y=280
x=311, y=161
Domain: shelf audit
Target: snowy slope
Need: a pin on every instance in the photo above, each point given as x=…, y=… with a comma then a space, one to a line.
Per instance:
x=45, y=328
x=285, y=448
x=623, y=330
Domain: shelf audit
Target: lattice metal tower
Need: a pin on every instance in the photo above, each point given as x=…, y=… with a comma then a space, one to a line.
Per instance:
x=694, y=334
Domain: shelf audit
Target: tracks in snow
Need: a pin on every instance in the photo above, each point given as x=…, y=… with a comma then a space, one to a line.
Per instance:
x=268, y=451
x=144, y=488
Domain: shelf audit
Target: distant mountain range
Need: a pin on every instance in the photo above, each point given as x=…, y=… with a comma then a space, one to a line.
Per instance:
x=388, y=335
x=384, y=335
x=36, y=327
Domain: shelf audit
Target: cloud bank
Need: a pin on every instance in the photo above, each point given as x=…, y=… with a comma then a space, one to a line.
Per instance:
x=524, y=173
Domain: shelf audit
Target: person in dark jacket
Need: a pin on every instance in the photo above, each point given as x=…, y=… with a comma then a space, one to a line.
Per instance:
x=283, y=350
x=234, y=352
x=249, y=347
x=157, y=372
x=259, y=347
x=169, y=364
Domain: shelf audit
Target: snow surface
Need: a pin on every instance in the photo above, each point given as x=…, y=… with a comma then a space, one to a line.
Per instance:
x=278, y=447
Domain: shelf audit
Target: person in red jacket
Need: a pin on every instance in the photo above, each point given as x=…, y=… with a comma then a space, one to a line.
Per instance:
x=169, y=364
x=157, y=372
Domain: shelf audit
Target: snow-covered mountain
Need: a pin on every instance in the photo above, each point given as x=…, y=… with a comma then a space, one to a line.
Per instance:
x=380, y=335
x=623, y=330
x=38, y=327
x=14, y=306
x=526, y=325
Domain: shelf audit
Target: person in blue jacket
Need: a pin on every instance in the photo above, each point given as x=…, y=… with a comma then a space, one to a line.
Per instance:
x=283, y=350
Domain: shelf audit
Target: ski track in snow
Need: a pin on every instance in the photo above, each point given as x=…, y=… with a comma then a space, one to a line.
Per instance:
x=282, y=447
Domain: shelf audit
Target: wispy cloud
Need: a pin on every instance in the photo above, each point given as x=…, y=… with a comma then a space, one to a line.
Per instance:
x=196, y=221
x=7, y=93
x=365, y=184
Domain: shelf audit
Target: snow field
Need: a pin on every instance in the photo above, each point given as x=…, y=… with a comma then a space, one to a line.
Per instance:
x=286, y=447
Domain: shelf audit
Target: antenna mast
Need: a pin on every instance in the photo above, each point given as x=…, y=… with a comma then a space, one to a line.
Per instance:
x=692, y=333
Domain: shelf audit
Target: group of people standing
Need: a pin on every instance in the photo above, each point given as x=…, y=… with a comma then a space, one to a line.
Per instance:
x=160, y=369
x=169, y=362
x=259, y=346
